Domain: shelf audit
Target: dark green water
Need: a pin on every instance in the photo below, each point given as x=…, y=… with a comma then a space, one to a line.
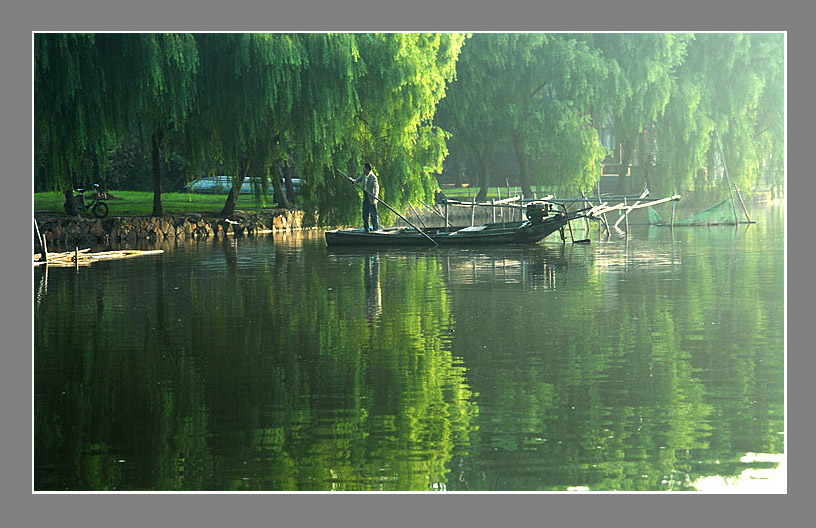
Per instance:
x=653, y=363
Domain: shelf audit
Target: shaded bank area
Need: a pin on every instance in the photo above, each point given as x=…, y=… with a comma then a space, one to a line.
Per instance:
x=116, y=232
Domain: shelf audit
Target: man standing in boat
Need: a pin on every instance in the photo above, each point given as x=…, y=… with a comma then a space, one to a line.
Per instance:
x=372, y=190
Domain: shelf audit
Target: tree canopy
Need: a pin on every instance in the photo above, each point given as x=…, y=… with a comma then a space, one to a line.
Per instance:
x=731, y=84
x=265, y=105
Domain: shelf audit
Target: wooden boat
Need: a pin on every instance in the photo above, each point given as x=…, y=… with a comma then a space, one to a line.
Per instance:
x=541, y=222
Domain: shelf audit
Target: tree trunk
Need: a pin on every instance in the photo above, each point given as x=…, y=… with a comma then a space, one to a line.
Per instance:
x=626, y=159
x=280, y=196
x=70, y=204
x=485, y=183
x=290, y=173
x=158, y=210
x=647, y=158
x=229, y=204
x=521, y=157
x=97, y=173
x=232, y=197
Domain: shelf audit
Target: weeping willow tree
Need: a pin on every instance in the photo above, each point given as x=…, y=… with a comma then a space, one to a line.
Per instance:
x=72, y=115
x=731, y=84
x=267, y=102
x=326, y=102
x=559, y=132
x=647, y=63
x=398, y=81
x=406, y=75
x=92, y=90
x=535, y=94
x=245, y=98
x=154, y=75
x=69, y=109
x=472, y=110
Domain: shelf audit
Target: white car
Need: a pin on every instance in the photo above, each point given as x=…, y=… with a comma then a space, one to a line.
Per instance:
x=223, y=184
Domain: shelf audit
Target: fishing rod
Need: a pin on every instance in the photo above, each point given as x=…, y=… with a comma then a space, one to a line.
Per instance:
x=423, y=233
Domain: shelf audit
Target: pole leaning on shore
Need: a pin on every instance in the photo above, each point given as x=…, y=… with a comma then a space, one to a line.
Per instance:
x=423, y=233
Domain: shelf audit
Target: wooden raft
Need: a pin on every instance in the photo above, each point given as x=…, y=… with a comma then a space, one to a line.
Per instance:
x=83, y=257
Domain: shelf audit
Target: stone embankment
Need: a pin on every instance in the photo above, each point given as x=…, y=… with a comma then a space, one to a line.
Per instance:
x=116, y=232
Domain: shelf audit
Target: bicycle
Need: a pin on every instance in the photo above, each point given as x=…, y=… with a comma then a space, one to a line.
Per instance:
x=96, y=204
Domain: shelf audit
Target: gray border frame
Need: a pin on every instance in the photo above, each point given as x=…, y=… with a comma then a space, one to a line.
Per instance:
x=19, y=507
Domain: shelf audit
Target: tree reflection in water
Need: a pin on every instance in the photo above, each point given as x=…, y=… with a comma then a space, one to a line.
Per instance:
x=284, y=365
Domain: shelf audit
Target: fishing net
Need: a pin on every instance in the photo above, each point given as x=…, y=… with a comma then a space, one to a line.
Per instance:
x=722, y=213
x=654, y=217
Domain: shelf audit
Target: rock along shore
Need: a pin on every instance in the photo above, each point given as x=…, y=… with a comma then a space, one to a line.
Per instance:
x=115, y=232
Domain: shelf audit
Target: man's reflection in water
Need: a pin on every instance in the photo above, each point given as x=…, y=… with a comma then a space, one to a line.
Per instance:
x=373, y=294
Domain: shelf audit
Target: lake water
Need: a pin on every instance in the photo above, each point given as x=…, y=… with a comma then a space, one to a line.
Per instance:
x=643, y=363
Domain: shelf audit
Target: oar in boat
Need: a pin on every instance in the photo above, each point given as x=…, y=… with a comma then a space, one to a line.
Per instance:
x=389, y=207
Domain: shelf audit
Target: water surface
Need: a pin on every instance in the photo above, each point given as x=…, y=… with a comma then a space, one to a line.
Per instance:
x=650, y=362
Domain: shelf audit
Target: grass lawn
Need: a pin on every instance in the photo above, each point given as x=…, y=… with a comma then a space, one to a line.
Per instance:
x=134, y=203
x=466, y=193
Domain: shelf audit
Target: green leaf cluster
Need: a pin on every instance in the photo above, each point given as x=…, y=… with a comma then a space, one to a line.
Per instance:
x=249, y=104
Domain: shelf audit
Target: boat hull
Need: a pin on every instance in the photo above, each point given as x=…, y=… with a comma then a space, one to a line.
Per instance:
x=491, y=234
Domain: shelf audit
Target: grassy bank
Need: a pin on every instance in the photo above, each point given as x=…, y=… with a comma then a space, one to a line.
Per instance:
x=133, y=203
x=465, y=194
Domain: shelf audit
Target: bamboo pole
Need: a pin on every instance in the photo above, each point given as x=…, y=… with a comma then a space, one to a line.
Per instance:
x=674, y=205
x=610, y=198
x=473, y=212
x=45, y=249
x=603, y=209
x=84, y=257
x=417, y=216
x=606, y=223
x=634, y=206
x=744, y=209
x=625, y=217
x=572, y=237
x=586, y=202
x=437, y=213
x=41, y=240
x=727, y=178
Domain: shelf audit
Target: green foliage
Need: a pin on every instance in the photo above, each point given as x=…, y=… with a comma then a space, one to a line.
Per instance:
x=91, y=91
x=316, y=102
x=533, y=93
x=735, y=83
x=69, y=96
x=400, y=78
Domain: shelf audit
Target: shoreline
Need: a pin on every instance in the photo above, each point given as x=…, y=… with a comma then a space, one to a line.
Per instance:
x=119, y=232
